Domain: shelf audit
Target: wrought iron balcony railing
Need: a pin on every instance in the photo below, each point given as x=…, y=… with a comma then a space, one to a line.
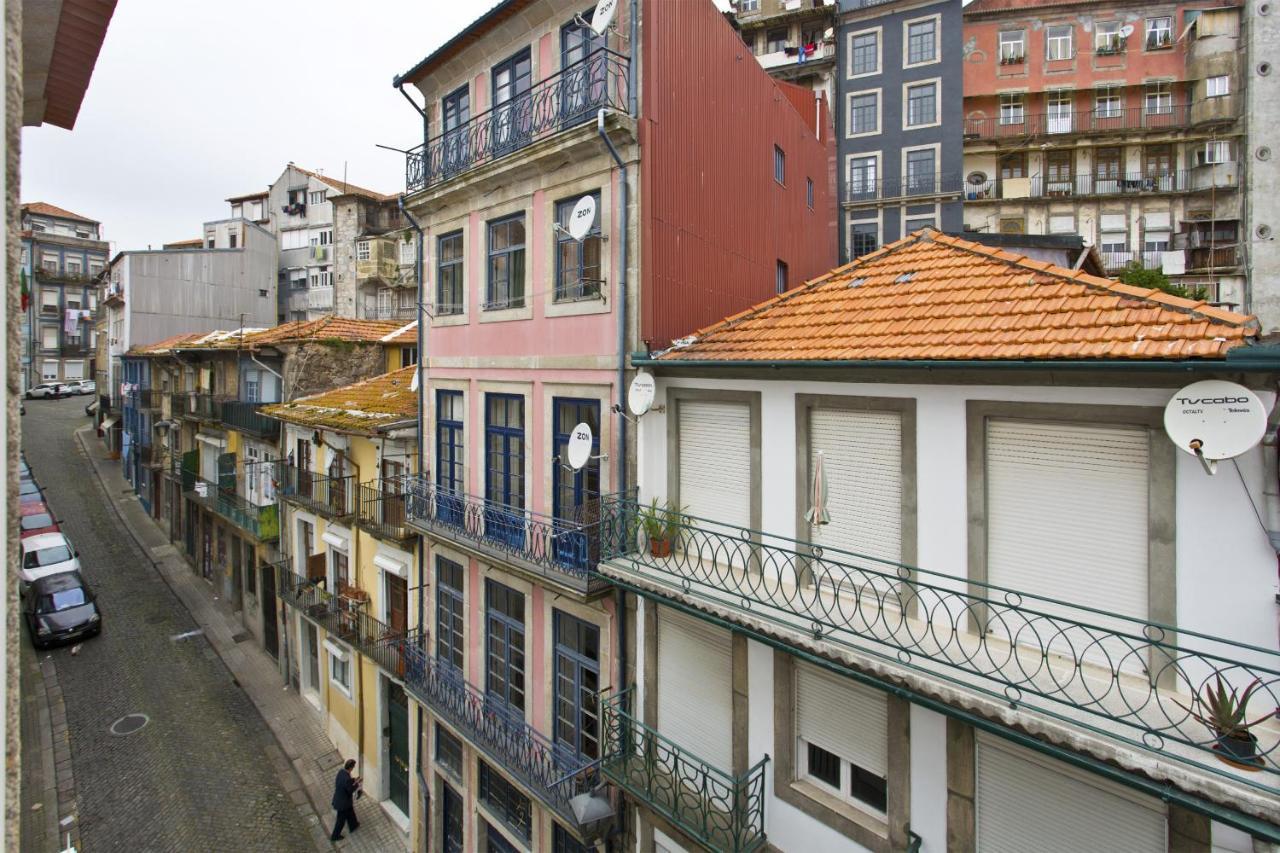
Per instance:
x=1122, y=679
x=342, y=617
x=260, y=522
x=560, y=550
x=245, y=417
x=722, y=811
x=382, y=509
x=859, y=191
x=1131, y=184
x=332, y=497
x=193, y=404
x=393, y=312
x=1114, y=262
x=147, y=398
x=1165, y=117
x=560, y=102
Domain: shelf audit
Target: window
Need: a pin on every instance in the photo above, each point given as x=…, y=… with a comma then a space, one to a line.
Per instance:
x=338, y=563
x=408, y=356
x=577, y=681
x=449, y=283
x=49, y=302
x=363, y=250
x=808, y=192
x=1061, y=109
x=232, y=241
x=864, y=53
x=1013, y=47
x=780, y=277
x=577, y=262
x=297, y=196
x=1106, y=169
x=451, y=614
x=295, y=239
x=511, y=110
x=1107, y=39
x=504, y=647
x=1058, y=167
x=1013, y=109
x=1211, y=153
x=1107, y=102
x=922, y=104
x=455, y=112
x=1058, y=42
x=448, y=751
x=922, y=41
x=340, y=669
x=1217, y=87
x=575, y=492
x=408, y=253
x=450, y=468
x=317, y=196
x=920, y=170
x=1157, y=160
x=1158, y=99
x=749, y=39
x=564, y=842
x=49, y=262
x=862, y=178
x=1062, y=223
x=49, y=337
x=915, y=224
x=297, y=279
x=864, y=113
x=841, y=729
x=505, y=282
x=864, y=238
x=775, y=40
x=504, y=466
x=1159, y=33
x=506, y=802
x=452, y=818
x=748, y=5
x=779, y=165
x=95, y=267
x=74, y=266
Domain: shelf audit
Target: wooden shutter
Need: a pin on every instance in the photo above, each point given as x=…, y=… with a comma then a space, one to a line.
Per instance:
x=864, y=480
x=715, y=461
x=316, y=567
x=1025, y=802
x=843, y=717
x=695, y=687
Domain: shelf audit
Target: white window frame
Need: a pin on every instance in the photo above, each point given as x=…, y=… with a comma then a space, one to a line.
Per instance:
x=408, y=252
x=363, y=250
x=1013, y=108
x=906, y=41
x=45, y=333
x=1012, y=49
x=1109, y=37
x=1154, y=27
x=1113, y=99
x=237, y=210
x=748, y=5
x=907, y=151
x=1162, y=93
x=1217, y=87
x=1057, y=41
x=339, y=666
x=877, y=175
x=936, y=84
x=317, y=196
x=849, y=132
x=1213, y=153
x=879, y=34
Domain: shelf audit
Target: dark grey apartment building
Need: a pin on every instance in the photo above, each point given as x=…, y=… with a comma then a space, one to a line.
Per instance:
x=899, y=120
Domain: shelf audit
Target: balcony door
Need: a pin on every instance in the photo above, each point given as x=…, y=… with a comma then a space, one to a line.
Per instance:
x=450, y=471
x=504, y=469
x=1060, y=114
x=583, y=71
x=576, y=493
x=504, y=649
x=577, y=681
x=510, y=124
x=391, y=492
x=302, y=463
x=455, y=113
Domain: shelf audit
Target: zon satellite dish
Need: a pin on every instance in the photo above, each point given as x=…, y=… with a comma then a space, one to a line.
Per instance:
x=413, y=383
x=602, y=17
x=582, y=218
x=579, y=450
x=640, y=394
x=1215, y=420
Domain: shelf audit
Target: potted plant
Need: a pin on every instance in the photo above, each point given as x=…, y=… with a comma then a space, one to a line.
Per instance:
x=661, y=526
x=1224, y=711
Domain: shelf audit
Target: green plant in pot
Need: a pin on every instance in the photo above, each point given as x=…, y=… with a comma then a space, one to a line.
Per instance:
x=661, y=526
x=1224, y=710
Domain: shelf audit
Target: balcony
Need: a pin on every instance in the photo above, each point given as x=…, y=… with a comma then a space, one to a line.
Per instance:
x=789, y=58
x=74, y=348
x=723, y=812
x=319, y=298
x=193, y=404
x=557, y=550
x=1114, y=262
x=260, y=522
x=382, y=509
x=859, y=193
x=332, y=497
x=1108, y=680
x=147, y=399
x=560, y=102
x=1220, y=258
x=1019, y=127
x=393, y=312
x=1200, y=179
x=244, y=417
x=379, y=262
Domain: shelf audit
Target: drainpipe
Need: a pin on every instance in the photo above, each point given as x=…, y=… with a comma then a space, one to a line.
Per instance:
x=1271, y=476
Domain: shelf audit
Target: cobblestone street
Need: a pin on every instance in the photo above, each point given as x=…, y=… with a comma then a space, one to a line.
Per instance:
x=195, y=777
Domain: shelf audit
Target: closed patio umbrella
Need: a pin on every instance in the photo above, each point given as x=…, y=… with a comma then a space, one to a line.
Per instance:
x=817, y=513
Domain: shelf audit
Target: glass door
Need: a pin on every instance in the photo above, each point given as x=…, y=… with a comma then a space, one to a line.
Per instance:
x=510, y=122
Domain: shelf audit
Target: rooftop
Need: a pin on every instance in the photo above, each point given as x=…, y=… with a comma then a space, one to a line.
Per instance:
x=345, y=187
x=930, y=296
x=407, y=334
x=364, y=407
x=326, y=328
x=978, y=7
x=43, y=208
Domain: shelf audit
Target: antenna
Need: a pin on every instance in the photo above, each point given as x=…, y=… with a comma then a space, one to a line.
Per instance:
x=582, y=218
x=640, y=398
x=578, y=450
x=601, y=19
x=1214, y=420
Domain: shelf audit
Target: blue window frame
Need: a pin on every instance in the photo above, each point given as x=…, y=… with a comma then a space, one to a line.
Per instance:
x=577, y=262
x=452, y=819
x=512, y=106
x=504, y=468
x=507, y=803
x=455, y=112
x=504, y=648
x=577, y=682
x=450, y=613
x=496, y=842
x=575, y=494
x=450, y=471
x=583, y=68
x=449, y=274
x=562, y=841
x=504, y=284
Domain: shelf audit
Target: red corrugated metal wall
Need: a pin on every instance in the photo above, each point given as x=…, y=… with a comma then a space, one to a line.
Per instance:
x=714, y=222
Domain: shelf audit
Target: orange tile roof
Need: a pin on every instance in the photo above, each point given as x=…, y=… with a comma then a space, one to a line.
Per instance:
x=43, y=208
x=326, y=328
x=930, y=296
x=344, y=187
x=363, y=407
x=193, y=243
x=404, y=335
x=167, y=345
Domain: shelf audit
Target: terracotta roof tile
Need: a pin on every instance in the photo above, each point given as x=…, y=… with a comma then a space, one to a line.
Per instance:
x=407, y=334
x=326, y=328
x=964, y=300
x=165, y=346
x=43, y=208
x=344, y=187
x=362, y=407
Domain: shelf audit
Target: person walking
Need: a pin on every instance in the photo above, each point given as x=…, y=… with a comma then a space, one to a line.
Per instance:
x=344, y=799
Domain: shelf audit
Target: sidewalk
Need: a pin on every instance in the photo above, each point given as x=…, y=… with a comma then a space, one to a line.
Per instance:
x=306, y=761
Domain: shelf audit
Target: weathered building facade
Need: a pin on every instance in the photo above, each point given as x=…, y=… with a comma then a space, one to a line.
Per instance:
x=792, y=39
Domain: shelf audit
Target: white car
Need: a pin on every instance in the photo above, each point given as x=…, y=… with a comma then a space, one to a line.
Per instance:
x=47, y=554
x=48, y=389
x=88, y=386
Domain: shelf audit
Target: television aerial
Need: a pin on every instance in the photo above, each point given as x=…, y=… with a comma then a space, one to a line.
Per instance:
x=1215, y=420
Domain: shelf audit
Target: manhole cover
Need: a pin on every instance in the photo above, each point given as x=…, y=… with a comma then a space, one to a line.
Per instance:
x=128, y=724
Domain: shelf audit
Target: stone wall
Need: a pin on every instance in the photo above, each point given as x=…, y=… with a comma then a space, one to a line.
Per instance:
x=13, y=317
x=323, y=365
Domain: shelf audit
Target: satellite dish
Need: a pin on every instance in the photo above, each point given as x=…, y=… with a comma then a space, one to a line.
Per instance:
x=413, y=383
x=1214, y=419
x=602, y=17
x=1126, y=31
x=579, y=450
x=640, y=395
x=582, y=218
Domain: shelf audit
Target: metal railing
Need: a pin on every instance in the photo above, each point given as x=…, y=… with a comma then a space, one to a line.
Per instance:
x=562, y=550
x=1091, y=121
x=333, y=497
x=396, y=312
x=147, y=398
x=382, y=509
x=863, y=191
x=1117, y=261
x=1075, y=185
x=722, y=811
x=1121, y=678
x=261, y=522
x=73, y=348
x=561, y=101
x=245, y=417
x=193, y=404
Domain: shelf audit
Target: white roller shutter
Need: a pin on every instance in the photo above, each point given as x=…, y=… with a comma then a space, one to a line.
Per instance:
x=715, y=461
x=695, y=687
x=863, y=464
x=843, y=717
x=1025, y=802
x=1067, y=512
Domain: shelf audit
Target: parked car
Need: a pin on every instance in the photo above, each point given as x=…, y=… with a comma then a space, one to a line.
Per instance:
x=59, y=608
x=36, y=519
x=46, y=554
x=52, y=390
x=28, y=487
x=31, y=497
x=88, y=386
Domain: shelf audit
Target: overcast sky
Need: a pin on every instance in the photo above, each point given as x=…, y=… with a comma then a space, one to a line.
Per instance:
x=193, y=102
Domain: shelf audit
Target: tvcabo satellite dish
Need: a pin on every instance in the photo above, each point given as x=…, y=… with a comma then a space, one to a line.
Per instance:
x=640, y=394
x=1126, y=31
x=579, y=450
x=1215, y=420
x=582, y=218
x=602, y=17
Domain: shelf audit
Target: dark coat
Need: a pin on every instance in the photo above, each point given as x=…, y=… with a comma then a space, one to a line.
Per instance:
x=344, y=788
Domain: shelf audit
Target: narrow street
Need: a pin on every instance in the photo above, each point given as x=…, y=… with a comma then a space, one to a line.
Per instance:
x=194, y=777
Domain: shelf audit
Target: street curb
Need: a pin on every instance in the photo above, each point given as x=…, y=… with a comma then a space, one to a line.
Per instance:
x=309, y=813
